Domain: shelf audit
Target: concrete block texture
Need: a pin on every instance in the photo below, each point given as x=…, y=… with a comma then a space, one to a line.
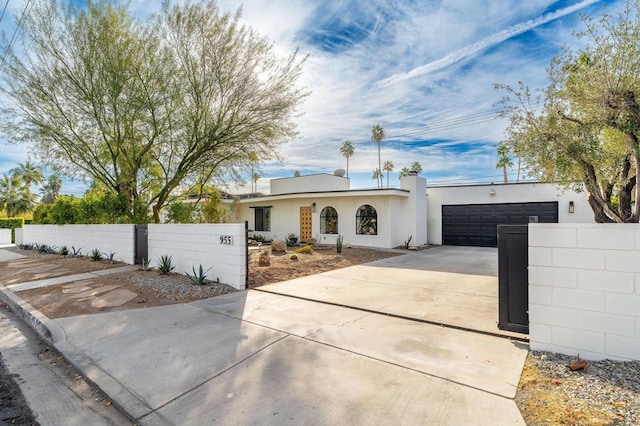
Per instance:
x=554, y=277
x=599, y=317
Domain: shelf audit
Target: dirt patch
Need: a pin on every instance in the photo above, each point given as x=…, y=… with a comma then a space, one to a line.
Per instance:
x=323, y=259
x=135, y=289
x=550, y=393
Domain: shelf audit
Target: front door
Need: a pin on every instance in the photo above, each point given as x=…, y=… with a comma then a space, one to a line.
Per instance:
x=305, y=224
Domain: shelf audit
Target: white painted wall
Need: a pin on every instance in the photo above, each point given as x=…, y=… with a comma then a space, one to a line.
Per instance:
x=192, y=245
x=5, y=236
x=285, y=216
x=509, y=193
x=19, y=235
x=584, y=289
x=309, y=183
x=118, y=239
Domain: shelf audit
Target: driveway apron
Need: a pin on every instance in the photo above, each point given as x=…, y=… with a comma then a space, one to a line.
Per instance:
x=448, y=285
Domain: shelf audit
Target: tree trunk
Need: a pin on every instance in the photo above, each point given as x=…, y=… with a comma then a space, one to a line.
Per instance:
x=598, y=211
x=504, y=174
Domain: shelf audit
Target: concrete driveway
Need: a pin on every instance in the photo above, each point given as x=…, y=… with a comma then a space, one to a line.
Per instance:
x=454, y=286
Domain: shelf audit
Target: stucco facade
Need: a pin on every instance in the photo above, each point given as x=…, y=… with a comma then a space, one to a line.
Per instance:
x=400, y=212
x=412, y=211
x=504, y=193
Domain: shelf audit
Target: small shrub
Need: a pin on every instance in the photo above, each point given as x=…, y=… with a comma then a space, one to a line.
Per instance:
x=258, y=238
x=146, y=264
x=96, y=255
x=76, y=252
x=291, y=240
x=305, y=250
x=199, y=277
x=406, y=243
x=64, y=250
x=42, y=248
x=339, y=242
x=111, y=257
x=165, y=264
x=312, y=242
x=51, y=250
x=293, y=256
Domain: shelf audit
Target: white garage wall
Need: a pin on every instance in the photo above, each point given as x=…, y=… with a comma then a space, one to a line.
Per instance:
x=200, y=244
x=504, y=193
x=584, y=289
x=118, y=239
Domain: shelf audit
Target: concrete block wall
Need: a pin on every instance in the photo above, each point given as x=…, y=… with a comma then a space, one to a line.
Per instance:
x=200, y=244
x=118, y=239
x=5, y=236
x=584, y=290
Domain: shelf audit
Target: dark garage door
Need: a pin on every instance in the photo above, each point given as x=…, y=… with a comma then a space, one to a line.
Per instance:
x=476, y=224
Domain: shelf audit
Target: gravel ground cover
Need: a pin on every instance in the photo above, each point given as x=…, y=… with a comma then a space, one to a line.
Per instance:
x=607, y=393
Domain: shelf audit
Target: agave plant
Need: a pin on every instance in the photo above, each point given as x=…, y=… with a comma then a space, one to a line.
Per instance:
x=165, y=264
x=199, y=277
x=96, y=255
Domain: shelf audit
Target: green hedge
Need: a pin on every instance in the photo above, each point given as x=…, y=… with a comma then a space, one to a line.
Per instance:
x=12, y=224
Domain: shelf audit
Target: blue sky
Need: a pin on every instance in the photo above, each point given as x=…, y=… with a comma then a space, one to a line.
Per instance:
x=422, y=69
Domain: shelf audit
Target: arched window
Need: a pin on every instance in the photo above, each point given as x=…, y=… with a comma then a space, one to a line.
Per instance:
x=328, y=221
x=366, y=220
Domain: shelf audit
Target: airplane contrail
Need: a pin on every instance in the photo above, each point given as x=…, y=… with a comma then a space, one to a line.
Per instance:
x=483, y=44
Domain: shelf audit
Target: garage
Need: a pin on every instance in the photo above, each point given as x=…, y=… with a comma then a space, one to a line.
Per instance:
x=476, y=224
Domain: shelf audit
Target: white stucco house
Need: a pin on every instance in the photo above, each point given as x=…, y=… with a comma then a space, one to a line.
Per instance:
x=322, y=206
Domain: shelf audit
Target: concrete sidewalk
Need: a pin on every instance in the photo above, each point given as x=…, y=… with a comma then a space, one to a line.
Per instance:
x=257, y=358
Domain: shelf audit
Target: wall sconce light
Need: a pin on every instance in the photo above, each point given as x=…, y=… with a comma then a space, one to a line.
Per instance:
x=572, y=207
x=492, y=192
x=313, y=207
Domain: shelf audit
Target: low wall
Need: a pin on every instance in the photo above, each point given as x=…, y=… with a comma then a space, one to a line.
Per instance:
x=19, y=235
x=118, y=239
x=5, y=236
x=584, y=289
x=221, y=247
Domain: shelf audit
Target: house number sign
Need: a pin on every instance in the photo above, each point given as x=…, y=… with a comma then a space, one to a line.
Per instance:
x=226, y=239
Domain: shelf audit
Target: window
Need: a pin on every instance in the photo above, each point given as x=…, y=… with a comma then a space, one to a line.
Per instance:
x=329, y=221
x=263, y=219
x=366, y=220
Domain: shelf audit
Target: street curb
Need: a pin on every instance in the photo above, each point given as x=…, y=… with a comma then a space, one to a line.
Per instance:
x=129, y=403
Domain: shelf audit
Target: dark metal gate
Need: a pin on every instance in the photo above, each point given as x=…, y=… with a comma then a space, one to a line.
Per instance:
x=513, y=278
x=141, y=243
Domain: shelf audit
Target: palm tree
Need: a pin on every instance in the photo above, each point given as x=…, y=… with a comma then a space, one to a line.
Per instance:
x=254, y=182
x=347, y=150
x=28, y=174
x=15, y=199
x=416, y=167
x=504, y=160
x=403, y=172
x=388, y=167
x=377, y=175
x=377, y=135
x=51, y=190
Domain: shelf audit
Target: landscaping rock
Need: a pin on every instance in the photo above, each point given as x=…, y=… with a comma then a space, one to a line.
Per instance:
x=278, y=246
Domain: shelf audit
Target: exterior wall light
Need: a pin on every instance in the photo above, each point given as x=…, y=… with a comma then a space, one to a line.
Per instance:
x=572, y=207
x=313, y=207
x=492, y=192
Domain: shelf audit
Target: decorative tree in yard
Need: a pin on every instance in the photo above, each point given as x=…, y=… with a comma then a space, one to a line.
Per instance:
x=347, y=151
x=148, y=108
x=377, y=135
x=583, y=130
